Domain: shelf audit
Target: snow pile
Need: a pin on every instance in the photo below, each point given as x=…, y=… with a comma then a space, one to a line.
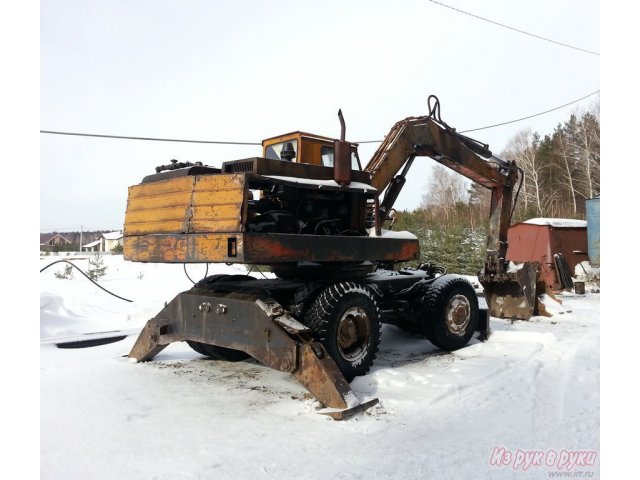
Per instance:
x=76, y=306
x=514, y=267
x=584, y=272
x=57, y=320
x=552, y=306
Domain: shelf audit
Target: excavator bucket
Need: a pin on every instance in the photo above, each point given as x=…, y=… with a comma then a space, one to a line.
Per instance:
x=514, y=293
x=257, y=325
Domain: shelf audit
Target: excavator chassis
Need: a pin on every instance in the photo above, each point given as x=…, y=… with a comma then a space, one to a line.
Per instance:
x=256, y=324
x=256, y=317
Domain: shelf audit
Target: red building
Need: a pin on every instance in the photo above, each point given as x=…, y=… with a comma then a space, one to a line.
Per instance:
x=539, y=239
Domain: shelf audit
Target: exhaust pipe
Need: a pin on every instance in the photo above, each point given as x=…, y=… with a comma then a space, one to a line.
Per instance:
x=342, y=156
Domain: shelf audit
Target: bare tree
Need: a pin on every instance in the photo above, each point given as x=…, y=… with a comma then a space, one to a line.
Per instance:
x=569, y=165
x=522, y=149
x=445, y=190
x=589, y=147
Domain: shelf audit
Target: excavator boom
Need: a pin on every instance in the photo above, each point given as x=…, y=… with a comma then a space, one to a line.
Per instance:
x=509, y=294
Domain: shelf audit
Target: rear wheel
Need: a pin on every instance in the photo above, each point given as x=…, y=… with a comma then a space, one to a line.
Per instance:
x=221, y=278
x=214, y=351
x=344, y=318
x=452, y=312
x=217, y=353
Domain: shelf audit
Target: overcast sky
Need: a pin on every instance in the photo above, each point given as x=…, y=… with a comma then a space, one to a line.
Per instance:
x=248, y=70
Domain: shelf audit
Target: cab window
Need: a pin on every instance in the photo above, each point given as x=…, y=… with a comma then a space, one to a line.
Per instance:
x=327, y=158
x=277, y=151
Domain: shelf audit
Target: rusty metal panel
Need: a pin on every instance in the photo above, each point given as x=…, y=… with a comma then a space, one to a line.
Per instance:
x=184, y=248
x=530, y=243
x=163, y=200
x=538, y=243
x=216, y=204
x=266, y=248
x=512, y=295
x=208, y=203
x=136, y=218
x=163, y=187
x=249, y=321
x=216, y=218
x=572, y=243
x=155, y=248
x=158, y=207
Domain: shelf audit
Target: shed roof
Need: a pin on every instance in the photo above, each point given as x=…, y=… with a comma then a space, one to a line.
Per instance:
x=112, y=235
x=557, y=222
x=92, y=244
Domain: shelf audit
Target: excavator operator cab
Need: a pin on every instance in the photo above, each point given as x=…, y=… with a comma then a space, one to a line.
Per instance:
x=304, y=147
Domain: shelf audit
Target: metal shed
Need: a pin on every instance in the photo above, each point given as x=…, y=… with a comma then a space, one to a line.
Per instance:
x=593, y=230
x=539, y=239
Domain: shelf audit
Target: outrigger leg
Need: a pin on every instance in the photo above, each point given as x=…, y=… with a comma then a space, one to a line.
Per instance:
x=258, y=325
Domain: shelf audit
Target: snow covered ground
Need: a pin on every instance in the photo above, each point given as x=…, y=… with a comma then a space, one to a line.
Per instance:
x=481, y=412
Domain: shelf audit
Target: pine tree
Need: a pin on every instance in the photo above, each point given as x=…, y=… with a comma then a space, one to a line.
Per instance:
x=97, y=268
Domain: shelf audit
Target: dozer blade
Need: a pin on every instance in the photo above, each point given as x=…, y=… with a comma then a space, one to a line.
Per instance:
x=258, y=325
x=513, y=294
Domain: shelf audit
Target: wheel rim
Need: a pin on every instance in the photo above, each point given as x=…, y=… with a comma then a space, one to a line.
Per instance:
x=458, y=314
x=353, y=334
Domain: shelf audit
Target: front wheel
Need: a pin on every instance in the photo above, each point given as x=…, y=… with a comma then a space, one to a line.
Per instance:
x=452, y=312
x=344, y=318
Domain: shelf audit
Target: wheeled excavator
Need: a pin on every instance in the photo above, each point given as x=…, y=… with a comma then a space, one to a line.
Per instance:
x=308, y=211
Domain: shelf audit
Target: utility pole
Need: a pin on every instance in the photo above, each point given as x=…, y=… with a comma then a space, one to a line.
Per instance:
x=80, y=238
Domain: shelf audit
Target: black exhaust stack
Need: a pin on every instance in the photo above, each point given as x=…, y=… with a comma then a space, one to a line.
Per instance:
x=342, y=156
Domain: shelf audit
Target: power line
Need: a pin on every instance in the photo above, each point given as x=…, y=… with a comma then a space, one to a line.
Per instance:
x=512, y=28
x=511, y=121
x=154, y=139
x=530, y=116
x=364, y=141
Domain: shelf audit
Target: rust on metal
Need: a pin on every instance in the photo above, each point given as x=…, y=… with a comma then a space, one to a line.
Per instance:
x=342, y=156
x=266, y=248
x=251, y=322
x=319, y=374
x=512, y=295
x=532, y=242
x=349, y=412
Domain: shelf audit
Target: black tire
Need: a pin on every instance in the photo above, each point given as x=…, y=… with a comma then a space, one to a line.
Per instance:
x=217, y=353
x=452, y=312
x=220, y=277
x=214, y=351
x=344, y=318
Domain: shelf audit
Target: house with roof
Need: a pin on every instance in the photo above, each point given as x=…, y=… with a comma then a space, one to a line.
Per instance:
x=50, y=240
x=105, y=243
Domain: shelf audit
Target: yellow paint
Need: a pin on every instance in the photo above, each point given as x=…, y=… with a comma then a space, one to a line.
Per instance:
x=162, y=187
x=206, y=203
x=181, y=248
x=159, y=201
